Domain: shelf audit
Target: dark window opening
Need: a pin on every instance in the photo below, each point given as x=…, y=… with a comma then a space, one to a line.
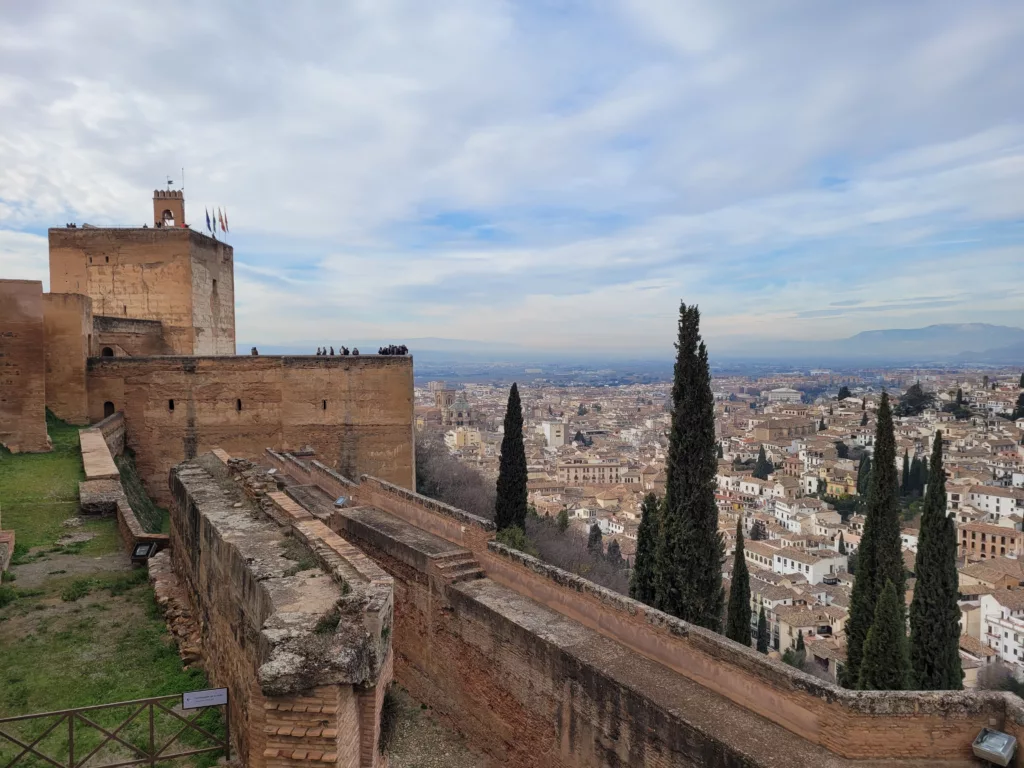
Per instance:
x=107, y=258
x=107, y=352
x=170, y=405
x=126, y=310
x=214, y=286
x=325, y=405
x=108, y=409
x=238, y=404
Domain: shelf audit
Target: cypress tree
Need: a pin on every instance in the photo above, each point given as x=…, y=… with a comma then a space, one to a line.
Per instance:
x=844, y=392
x=800, y=647
x=641, y=582
x=885, y=666
x=915, y=477
x=905, y=476
x=959, y=397
x=721, y=453
x=510, y=505
x=864, y=419
x=762, y=631
x=563, y=520
x=737, y=625
x=762, y=468
x=879, y=557
x=1018, y=411
x=614, y=553
x=595, y=543
x=1021, y=385
x=841, y=547
x=934, y=612
x=690, y=550
x=864, y=474
x=821, y=424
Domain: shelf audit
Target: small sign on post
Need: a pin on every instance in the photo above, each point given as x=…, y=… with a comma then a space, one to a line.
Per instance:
x=212, y=697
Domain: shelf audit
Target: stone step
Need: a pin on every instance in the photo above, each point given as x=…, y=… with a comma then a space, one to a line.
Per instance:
x=465, y=572
x=444, y=562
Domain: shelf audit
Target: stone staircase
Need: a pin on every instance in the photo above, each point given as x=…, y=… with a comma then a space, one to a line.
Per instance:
x=457, y=567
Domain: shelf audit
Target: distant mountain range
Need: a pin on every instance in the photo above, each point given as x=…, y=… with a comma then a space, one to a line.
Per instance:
x=948, y=343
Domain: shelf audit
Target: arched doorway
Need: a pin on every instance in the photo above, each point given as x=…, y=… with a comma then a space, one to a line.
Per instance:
x=108, y=409
x=107, y=352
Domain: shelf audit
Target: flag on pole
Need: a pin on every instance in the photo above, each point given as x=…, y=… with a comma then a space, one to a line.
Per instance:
x=207, y=220
x=220, y=216
x=226, y=227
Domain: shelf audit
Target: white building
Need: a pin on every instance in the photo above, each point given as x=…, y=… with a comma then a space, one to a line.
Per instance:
x=813, y=565
x=554, y=433
x=997, y=501
x=785, y=395
x=1002, y=619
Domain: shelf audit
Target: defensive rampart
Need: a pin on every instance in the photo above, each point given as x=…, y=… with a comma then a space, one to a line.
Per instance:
x=610, y=699
x=22, y=367
x=294, y=621
x=102, y=493
x=356, y=412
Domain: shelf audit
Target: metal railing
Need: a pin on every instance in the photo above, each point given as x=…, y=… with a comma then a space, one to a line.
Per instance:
x=156, y=748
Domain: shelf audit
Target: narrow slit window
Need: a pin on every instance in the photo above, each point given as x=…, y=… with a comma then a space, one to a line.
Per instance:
x=170, y=405
x=325, y=405
x=238, y=404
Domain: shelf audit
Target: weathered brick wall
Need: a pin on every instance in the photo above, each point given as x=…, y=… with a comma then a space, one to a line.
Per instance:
x=366, y=426
x=868, y=725
x=129, y=336
x=112, y=429
x=22, y=367
x=67, y=324
x=134, y=273
x=299, y=693
x=213, y=296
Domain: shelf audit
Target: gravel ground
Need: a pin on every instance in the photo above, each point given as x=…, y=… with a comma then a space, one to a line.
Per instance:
x=423, y=742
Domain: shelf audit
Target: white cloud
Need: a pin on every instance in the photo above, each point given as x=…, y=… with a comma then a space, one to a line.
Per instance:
x=763, y=160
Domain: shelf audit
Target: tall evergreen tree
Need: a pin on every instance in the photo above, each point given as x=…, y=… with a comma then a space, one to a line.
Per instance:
x=721, y=453
x=821, y=424
x=864, y=474
x=737, y=625
x=934, y=612
x=1021, y=385
x=641, y=582
x=841, y=546
x=614, y=553
x=510, y=505
x=563, y=520
x=690, y=549
x=1018, y=411
x=905, y=475
x=959, y=397
x=886, y=666
x=879, y=556
x=844, y=392
x=762, y=631
x=595, y=544
x=864, y=419
x=763, y=467
x=915, y=477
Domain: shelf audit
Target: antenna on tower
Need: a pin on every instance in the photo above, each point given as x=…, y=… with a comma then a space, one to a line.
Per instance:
x=170, y=183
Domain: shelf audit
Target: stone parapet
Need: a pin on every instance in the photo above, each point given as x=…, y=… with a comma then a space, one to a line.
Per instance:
x=294, y=620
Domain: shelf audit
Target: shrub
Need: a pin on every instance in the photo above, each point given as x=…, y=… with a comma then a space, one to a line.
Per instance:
x=388, y=720
x=76, y=590
x=7, y=596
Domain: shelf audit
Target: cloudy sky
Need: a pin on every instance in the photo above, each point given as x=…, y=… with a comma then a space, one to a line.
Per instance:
x=558, y=173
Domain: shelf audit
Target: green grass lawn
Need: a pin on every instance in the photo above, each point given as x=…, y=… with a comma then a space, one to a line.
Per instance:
x=38, y=491
x=77, y=637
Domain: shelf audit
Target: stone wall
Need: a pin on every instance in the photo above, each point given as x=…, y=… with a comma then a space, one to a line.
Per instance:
x=897, y=726
x=22, y=367
x=357, y=412
x=67, y=324
x=304, y=690
x=101, y=493
x=128, y=336
x=213, y=296
x=6, y=549
x=166, y=275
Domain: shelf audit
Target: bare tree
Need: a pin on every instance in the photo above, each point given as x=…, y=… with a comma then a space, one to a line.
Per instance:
x=441, y=476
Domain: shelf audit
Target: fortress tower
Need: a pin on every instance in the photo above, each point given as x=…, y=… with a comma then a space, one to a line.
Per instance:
x=168, y=208
x=155, y=290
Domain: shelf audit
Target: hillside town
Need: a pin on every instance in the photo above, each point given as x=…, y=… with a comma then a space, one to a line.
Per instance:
x=794, y=452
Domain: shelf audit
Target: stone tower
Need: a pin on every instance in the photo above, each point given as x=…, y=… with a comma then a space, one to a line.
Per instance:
x=168, y=208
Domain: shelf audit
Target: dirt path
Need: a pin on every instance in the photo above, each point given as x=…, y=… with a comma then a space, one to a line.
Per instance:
x=37, y=573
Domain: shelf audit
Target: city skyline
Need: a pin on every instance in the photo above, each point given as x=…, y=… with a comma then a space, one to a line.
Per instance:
x=543, y=174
